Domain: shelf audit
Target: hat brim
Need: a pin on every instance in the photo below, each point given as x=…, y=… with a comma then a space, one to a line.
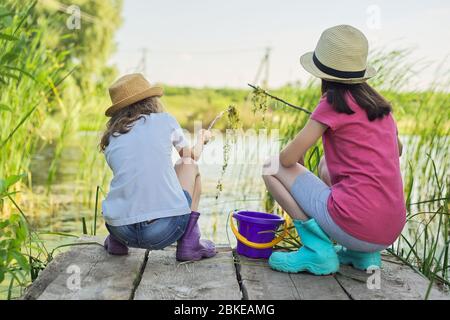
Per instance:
x=148, y=93
x=307, y=62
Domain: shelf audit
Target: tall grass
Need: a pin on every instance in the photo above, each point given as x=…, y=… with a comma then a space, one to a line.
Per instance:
x=45, y=71
x=48, y=100
x=423, y=119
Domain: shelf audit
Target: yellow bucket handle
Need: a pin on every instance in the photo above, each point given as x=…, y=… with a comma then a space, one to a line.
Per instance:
x=255, y=245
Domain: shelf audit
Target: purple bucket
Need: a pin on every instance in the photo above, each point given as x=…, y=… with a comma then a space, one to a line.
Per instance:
x=256, y=227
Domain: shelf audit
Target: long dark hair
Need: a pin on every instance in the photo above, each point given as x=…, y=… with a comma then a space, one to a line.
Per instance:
x=122, y=121
x=365, y=96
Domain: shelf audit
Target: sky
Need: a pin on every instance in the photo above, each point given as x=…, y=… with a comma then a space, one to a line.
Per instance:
x=221, y=43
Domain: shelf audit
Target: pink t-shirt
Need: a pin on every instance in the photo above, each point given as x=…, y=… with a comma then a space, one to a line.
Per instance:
x=362, y=156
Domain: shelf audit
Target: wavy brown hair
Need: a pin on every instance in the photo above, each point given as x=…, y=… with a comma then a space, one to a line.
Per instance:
x=122, y=121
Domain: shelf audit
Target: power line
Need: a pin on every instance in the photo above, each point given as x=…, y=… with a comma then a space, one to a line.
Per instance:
x=205, y=52
x=142, y=65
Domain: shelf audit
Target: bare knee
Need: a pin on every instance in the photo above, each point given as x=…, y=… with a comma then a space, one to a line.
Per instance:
x=286, y=175
x=271, y=167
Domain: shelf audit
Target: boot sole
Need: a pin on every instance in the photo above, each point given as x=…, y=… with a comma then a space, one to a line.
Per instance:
x=117, y=254
x=114, y=253
x=313, y=270
x=195, y=257
x=356, y=266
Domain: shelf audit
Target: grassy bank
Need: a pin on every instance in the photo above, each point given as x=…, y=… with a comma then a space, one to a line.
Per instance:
x=48, y=76
x=53, y=84
x=424, y=126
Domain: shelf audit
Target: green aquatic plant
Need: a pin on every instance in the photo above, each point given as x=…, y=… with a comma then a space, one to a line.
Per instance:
x=50, y=100
x=423, y=121
x=234, y=120
x=226, y=156
x=233, y=123
x=260, y=98
x=23, y=253
x=41, y=81
x=20, y=246
x=13, y=235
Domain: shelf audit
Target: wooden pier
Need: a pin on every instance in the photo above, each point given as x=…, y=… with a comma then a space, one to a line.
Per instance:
x=87, y=272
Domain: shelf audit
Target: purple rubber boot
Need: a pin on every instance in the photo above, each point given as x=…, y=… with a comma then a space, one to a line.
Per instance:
x=190, y=247
x=113, y=246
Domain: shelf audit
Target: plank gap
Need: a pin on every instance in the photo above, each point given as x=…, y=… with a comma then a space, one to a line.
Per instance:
x=237, y=266
x=343, y=288
x=295, y=287
x=138, y=279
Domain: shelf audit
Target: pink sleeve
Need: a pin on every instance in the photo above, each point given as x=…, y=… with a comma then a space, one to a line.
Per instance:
x=325, y=114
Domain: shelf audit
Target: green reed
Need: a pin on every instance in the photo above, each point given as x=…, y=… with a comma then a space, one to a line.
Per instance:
x=48, y=100
x=43, y=88
x=423, y=121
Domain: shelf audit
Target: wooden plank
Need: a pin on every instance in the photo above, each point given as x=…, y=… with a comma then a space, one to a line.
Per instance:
x=260, y=282
x=101, y=276
x=398, y=282
x=414, y=281
x=166, y=279
x=312, y=287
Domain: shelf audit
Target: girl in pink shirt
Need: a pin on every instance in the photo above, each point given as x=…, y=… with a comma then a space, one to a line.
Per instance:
x=358, y=200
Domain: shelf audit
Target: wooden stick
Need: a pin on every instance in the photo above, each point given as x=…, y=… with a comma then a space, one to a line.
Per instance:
x=279, y=99
x=220, y=115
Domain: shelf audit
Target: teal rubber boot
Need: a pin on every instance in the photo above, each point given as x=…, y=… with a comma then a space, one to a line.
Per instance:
x=357, y=259
x=317, y=255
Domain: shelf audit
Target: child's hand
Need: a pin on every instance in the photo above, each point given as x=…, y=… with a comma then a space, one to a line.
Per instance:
x=204, y=136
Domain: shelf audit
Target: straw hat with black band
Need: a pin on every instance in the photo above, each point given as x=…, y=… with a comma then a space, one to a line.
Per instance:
x=340, y=56
x=130, y=89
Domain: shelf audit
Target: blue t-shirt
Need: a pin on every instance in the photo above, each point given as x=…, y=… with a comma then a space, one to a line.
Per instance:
x=145, y=185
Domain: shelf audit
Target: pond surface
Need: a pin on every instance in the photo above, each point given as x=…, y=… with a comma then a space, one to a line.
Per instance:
x=242, y=188
x=70, y=198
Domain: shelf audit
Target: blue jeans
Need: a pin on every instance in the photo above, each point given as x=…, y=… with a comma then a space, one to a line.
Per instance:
x=312, y=194
x=155, y=234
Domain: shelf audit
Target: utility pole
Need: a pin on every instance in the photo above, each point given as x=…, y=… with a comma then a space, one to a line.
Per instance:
x=142, y=66
x=265, y=82
x=264, y=66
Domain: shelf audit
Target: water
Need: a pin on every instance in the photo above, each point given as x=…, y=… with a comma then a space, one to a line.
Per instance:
x=72, y=195
x=61, y=209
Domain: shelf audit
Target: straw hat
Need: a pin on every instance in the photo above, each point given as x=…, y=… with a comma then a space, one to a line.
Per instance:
x=340, y=56
x=130, y=89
